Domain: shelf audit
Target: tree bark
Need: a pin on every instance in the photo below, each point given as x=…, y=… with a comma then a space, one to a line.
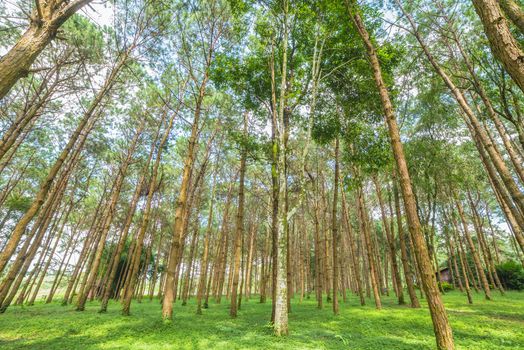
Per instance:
x=44, y=24
x=473, y=250
x=334, y=229
x=503, y=45
x=443, y=333
x=237, y=252
x=514, y=13
x=364, y=228
x=391, y=244
x=180, y=209
x=353, y=251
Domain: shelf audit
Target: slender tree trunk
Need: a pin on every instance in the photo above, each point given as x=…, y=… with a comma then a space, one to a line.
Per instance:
x=391, y=243
x=146, y=217
x=191, y=257
x=488, y=259
x=318, y=251
x=443, y=333
x=334, y=229
x=364, y=227
x=473, y=250
x=237, y=252
x=463, y=262
x=280, y=323
x=205, y=254
x=180, y=210
x=249, y=267
x=353, y=251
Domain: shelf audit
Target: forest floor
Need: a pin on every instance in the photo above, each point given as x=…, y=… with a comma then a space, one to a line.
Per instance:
x=498, y=324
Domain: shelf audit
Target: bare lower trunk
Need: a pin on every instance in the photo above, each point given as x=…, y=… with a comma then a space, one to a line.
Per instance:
x=237, y=251
x=473, y=251
x=334, y=229
x=364, y=227
x=353, y=252
x=181, y=204
x=443, y=333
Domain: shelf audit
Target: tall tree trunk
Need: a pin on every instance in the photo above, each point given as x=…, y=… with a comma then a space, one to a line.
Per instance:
x=44, y=24
x=503, y=45
x=488, y=259
x=365, y=229
x=463, y=261
x=180, y=209
x=512, y=9
x=473, y=250
x=250, y=254
x=205, y=254
x=353, y=251
x=146, y=217
x=515, y=157
x=391, y=243
x=280, y=323
x=319, y=274
x=239, y=232
x=334, y=229
x=443, y=333
x=191, y=256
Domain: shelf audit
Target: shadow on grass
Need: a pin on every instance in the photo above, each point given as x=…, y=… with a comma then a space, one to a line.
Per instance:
x=394, y=327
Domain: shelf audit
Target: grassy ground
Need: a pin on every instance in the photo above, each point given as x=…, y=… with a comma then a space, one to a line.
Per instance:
x=498, y=324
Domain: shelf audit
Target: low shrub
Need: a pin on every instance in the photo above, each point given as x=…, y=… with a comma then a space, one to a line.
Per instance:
x=511, y=275
x=446, y=287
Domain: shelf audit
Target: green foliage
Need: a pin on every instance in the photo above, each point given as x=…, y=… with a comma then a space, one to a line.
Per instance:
x=370, y=148
x=446, y=287
x=326, y=127
x=511, y=275
x=85, y=36
x=18, y=202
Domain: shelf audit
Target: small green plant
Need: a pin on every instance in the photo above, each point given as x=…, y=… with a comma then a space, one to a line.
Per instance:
x=344, y=340
x=446, y=287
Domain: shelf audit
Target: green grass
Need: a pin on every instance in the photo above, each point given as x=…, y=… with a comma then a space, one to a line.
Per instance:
x=498, y=324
